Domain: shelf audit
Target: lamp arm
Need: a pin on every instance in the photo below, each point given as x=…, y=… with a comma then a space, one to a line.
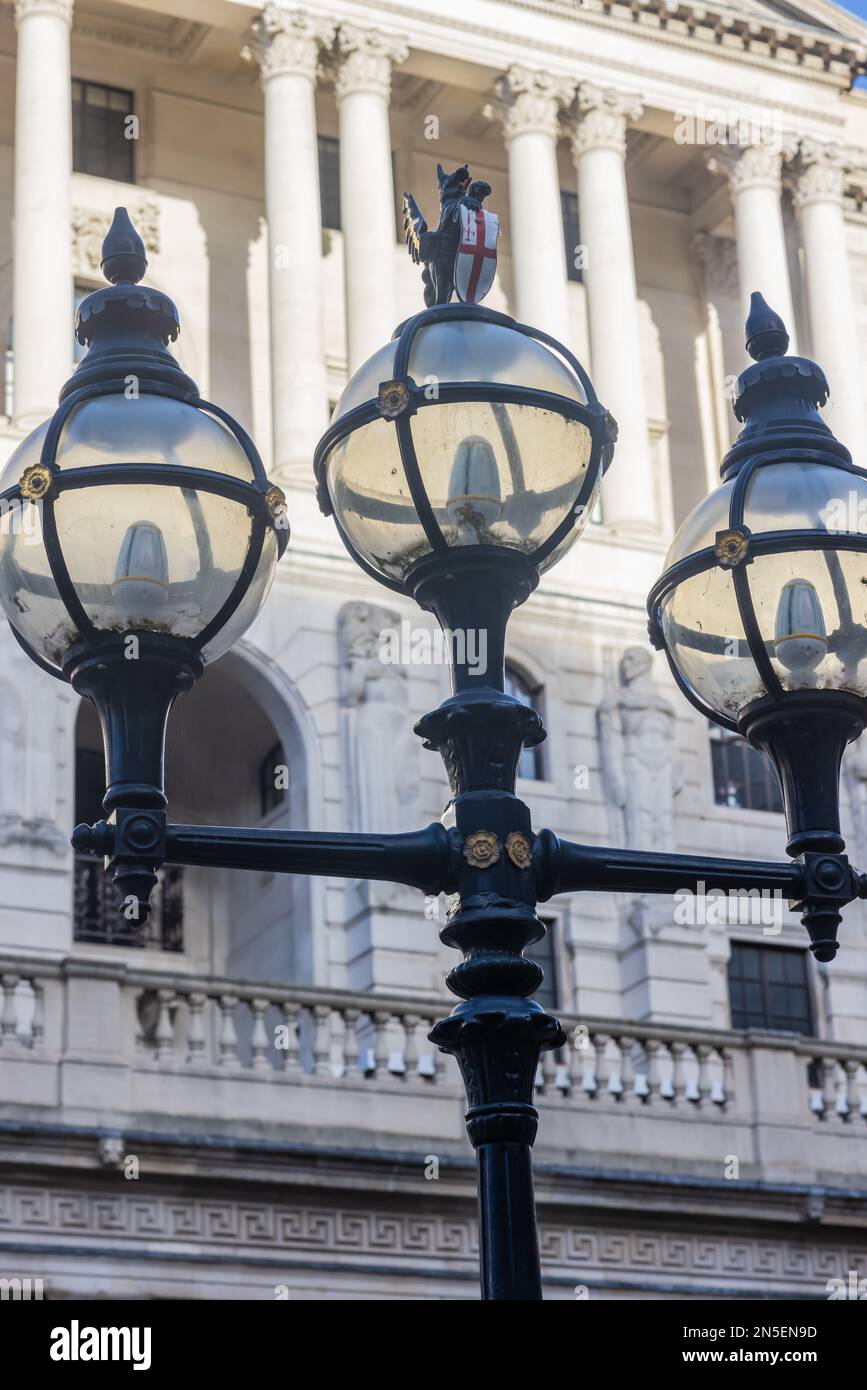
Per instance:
x=564, y=867
x=424, y=859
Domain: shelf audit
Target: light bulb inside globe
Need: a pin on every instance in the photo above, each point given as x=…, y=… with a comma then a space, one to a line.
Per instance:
x=474, y=499
x=800, y=639
x=141, y=583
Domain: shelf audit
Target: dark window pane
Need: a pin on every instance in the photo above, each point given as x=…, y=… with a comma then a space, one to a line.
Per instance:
x=571, y=234
x=542, y=952
x=768, y=988
x=530, y=764
x=742, y=776
x=329, y=181
x=99, y=143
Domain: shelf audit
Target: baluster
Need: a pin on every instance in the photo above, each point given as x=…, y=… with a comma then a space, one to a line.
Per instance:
x=259, y=1039
x=728, y=1076
x=653, y=1051
x=853, y=1099
x=601, y=1043
x=627, y=1069
x=293, y=1047
x=381, y=1020
x=321, y=1040
x=9, y=1021
x=615, y=1069
x=165, y=1032
x=588, y=1065
x=691, y=1074
x=228, y=1033
x=37, y=1027
x=704, y=1053
x=196, y=1035
x=410, y=1046
x=350, y=1043
x=829, y=1087
x=678, y=1052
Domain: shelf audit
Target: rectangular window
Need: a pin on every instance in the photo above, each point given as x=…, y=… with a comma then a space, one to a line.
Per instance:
x=768, y=988
x=742, y=776
x=542, y=952
x=329, y=182
x=102, y=142
x=571, y=235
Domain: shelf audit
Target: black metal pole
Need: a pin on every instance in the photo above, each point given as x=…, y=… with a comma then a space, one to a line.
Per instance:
x=497, y=1032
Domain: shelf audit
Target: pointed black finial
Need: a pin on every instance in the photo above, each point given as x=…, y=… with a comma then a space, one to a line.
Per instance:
x=123, y=251
x=766, y=334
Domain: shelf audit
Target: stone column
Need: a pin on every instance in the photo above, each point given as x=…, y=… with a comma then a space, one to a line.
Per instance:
x=286, y=43
x=42, y=246
x=599, y=146
x=366, y=185
x=819, y=200
x=528, y=103
x=754, y=175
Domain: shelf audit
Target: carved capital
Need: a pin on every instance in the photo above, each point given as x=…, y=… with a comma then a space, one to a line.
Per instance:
x=287, y=41
x=820, y=171
x=60, y=9
x=751, y=166
x=366, y=58
x=529, y=102
x=603, y=116
x=717, y=261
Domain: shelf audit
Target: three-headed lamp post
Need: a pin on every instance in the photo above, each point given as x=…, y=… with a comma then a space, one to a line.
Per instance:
x=462, y=461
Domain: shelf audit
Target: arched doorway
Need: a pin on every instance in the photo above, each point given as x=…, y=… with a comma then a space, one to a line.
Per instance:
x=234, y=756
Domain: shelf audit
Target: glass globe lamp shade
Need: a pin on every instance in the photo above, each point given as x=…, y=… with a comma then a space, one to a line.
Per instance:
x=762, y=606
x=795, y=616
x=468, y=430
x=138, y=508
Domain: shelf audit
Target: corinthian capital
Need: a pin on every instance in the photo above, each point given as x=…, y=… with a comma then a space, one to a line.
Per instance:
x=819, y=173
x=287, y=40
x=60, y=9
x=366, y=57
x=751, y=166
x=603, y=117
x=529, y=102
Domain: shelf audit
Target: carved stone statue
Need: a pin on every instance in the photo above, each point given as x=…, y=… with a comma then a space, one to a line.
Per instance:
x=381, y=753
x=641, y=774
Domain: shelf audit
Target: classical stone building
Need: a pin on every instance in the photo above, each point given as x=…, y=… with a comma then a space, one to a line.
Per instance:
x=244, y=1104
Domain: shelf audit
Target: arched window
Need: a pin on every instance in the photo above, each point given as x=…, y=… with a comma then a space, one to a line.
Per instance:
x=531, y=764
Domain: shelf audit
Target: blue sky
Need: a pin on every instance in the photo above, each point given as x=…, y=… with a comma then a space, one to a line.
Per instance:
x=858, y=7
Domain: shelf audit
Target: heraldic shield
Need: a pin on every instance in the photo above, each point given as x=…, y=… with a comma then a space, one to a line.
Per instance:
x=476, y=257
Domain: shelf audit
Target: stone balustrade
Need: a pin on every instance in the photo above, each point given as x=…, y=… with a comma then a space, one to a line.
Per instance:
x=98, y=1040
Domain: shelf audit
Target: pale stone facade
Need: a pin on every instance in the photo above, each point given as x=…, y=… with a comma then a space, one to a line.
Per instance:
x=677, y=1156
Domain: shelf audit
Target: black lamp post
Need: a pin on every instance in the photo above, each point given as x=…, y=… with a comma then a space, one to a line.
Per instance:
x=462, y=461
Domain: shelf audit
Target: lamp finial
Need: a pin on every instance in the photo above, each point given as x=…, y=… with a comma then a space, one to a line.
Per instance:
x=766, y=334
x=123, y=252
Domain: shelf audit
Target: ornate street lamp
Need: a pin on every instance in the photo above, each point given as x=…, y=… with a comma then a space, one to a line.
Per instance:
x=158, y=535
x=761, y=608
x=462, y=461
